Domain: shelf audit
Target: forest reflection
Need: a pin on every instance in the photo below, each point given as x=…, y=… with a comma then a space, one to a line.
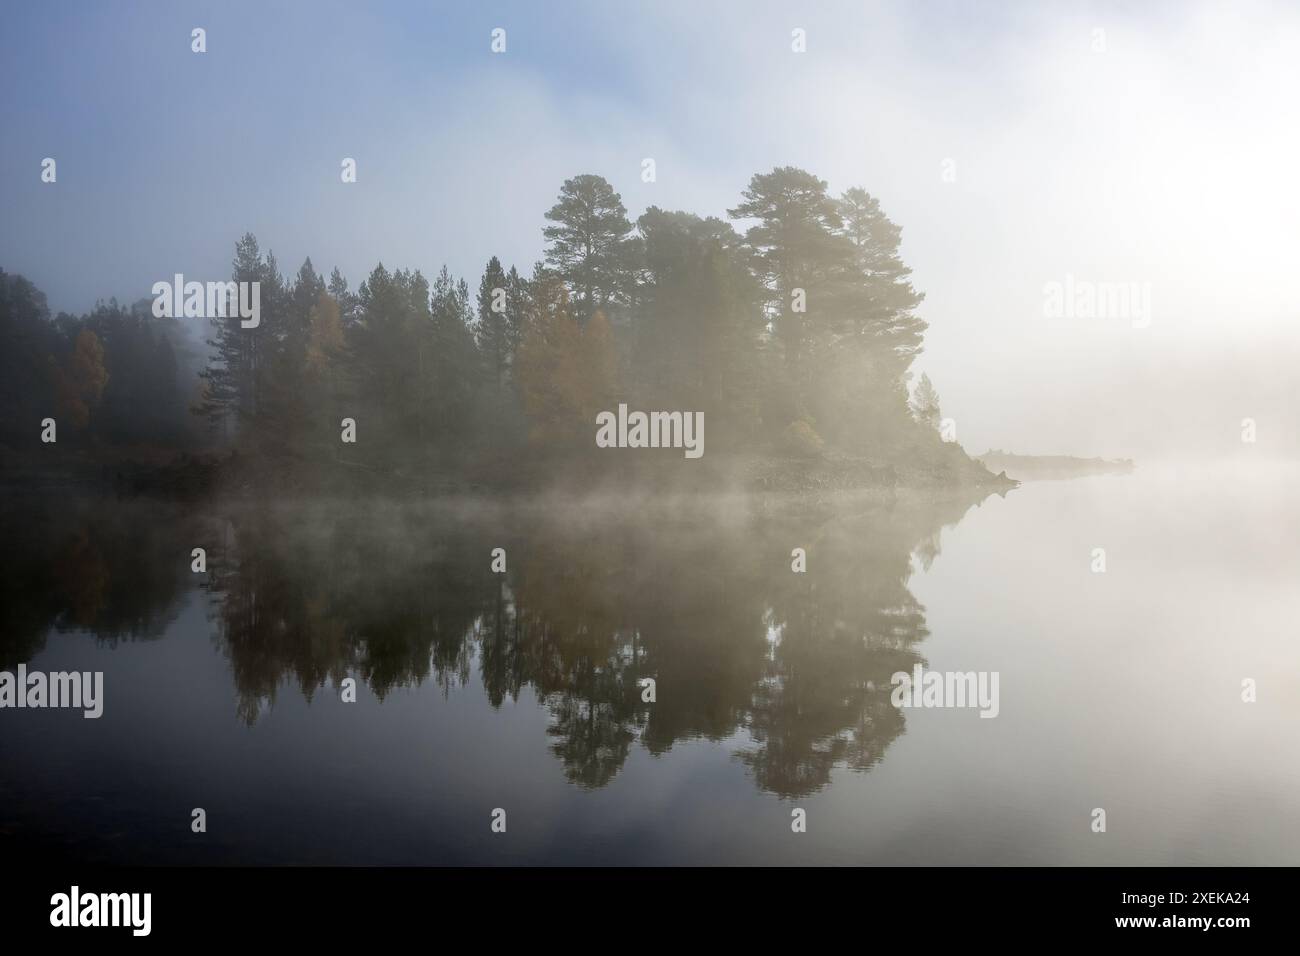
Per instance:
x=791, y=669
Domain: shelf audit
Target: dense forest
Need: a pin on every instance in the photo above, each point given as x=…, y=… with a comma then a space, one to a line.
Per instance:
x=795, y=338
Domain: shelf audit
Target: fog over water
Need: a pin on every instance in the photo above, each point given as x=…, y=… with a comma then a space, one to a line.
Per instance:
x=1119, y=690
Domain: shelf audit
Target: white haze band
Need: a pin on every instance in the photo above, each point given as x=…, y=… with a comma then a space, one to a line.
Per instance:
x=926, y=689
x=212, y=300
x=651, y=430
x=35, y=690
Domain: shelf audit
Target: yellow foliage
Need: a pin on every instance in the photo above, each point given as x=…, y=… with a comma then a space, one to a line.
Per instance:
x=326, y=334
x=566, y=374
x=79, y=382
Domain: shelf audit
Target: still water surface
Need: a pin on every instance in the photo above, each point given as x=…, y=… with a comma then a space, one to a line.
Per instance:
x=475, y=690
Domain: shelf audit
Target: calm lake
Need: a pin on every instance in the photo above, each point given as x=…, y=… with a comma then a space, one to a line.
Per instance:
x=478, y=690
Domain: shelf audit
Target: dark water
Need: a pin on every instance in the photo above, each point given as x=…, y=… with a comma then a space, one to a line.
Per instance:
x=478, y=691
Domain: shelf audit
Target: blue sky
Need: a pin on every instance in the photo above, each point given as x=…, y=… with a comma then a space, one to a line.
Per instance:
x=1162, y=159
x=166, y=157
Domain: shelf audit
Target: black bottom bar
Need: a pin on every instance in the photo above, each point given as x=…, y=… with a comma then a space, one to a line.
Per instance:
x=366, y=905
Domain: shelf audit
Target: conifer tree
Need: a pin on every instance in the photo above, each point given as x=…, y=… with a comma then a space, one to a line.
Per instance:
x=590, y=247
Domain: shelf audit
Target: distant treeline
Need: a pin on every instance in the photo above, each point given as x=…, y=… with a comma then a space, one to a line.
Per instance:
x=795, y=337
x=1029, y=467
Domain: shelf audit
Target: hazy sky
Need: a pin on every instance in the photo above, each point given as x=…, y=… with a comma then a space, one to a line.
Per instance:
x=1162, y=151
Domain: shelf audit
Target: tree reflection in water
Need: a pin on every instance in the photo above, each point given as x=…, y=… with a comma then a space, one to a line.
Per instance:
x=791, y=669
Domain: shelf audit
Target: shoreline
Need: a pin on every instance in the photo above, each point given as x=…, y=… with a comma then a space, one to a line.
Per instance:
x=209, y=476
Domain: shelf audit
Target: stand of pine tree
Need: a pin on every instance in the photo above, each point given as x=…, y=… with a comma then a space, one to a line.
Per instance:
x=794, y=338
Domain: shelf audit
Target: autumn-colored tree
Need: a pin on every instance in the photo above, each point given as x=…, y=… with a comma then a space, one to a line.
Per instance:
x=79, y=381
x=325, y=335
x=598, y=362
x=566, y=373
